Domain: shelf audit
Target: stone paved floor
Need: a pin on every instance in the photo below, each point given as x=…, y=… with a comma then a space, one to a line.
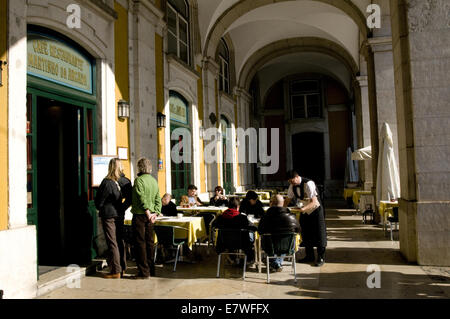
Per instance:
x=352, y=247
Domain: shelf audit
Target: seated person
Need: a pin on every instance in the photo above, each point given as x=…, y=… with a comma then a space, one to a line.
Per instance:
x=278, y=219
x=192, y=196
x=219, y=198
x=168, y=207
x=184, y=201
x=233, y=219
x=251, y=205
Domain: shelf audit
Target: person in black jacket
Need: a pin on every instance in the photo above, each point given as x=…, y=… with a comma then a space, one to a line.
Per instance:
x=219, y=199
x=108, y=201
x=168, y=207
x=278, y=219
x=125, y=190
x=251, y=205
x=233, y=219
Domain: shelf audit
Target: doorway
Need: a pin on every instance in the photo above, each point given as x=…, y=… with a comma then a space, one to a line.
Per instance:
x=60, y=145
x=308, y=155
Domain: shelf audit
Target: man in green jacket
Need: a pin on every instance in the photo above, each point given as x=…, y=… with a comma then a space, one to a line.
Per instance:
x=146, y=205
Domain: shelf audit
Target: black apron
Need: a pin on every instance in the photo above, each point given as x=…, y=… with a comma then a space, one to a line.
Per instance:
x=314, y=230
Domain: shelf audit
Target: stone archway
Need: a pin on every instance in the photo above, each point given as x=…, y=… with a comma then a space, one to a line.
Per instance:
x=243, y=7
x=282, y=47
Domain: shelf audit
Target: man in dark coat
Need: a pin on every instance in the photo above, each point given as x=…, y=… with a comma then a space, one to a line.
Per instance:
x=251, y=205
x=168, y=207
x=233, y=219
x=312, y=218
x=278, y=219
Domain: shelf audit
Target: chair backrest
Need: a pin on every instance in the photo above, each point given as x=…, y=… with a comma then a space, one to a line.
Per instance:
x=395, y=211
x=233, y=239
x=278, y=243
x=165, y=234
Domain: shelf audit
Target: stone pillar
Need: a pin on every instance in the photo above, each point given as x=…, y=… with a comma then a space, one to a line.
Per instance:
x=243, y=105
x=363, y=127
x=145, y=22
x=384, y=77
x=373, y=110
x=421, y=38
x=210, y=95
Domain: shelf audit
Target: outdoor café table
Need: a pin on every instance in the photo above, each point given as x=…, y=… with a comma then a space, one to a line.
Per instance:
x=261, y=195
x=357, y=195
x=348, y=192
x=202, y=209
x=195, y=226
x=382, y=209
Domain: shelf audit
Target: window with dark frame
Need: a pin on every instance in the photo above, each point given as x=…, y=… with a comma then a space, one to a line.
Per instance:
x=306, y=99
x=178, y=29
x=224, y=73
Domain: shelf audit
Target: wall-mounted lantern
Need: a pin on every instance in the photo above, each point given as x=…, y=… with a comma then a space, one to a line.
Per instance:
x=2, y=63
x=213, y=118
x=123, y=109
x=160, y=120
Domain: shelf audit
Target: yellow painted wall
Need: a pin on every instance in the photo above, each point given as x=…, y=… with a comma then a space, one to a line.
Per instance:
x=122, y=80
x=159, y=71
x=200, y=116
x=3, y=121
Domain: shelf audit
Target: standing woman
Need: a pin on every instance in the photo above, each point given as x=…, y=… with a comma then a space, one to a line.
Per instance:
x=108, y=201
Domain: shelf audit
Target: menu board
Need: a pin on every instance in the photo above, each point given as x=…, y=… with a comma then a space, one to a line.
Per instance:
x=100, y=168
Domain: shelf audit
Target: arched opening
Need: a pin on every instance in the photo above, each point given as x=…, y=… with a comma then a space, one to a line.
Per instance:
x=180, y=123
x=61, y=139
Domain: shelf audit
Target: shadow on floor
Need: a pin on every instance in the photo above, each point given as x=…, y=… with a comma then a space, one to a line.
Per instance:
x=354, y=285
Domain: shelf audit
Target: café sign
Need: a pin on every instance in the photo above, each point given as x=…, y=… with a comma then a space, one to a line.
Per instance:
x=57, y=62
x=178, y=110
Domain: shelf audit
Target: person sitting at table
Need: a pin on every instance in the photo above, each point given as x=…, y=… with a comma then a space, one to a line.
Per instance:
x=192, y=196
x=168, y=207
x=219, y=199
x=233, y=219
x=278, y=219
x=251, y=205
x=184, y=201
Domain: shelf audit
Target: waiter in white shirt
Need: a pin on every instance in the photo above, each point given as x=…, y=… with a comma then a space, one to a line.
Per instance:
x=303, y=193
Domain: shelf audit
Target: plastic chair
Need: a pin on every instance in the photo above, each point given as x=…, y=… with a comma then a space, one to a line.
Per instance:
x=233, y=242
x=166, y=237
x=393, y=220
x=277, y=244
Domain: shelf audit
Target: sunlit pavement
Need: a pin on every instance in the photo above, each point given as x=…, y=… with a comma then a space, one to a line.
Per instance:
x=352, y=248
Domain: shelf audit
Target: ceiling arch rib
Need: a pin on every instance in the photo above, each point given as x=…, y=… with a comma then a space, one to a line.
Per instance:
x=301, y=63
x=230, y=15
x=290, y=46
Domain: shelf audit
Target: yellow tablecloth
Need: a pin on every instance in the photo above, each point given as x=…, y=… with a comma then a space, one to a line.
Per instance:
x=384, y=205
x=348, y=192
x=200, y=209
x=357, y=195
x=261, y=195
x=195, y=225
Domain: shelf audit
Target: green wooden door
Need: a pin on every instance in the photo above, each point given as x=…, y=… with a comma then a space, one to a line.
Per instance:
x=181, y=172
x=79, y=228
x=179, y=118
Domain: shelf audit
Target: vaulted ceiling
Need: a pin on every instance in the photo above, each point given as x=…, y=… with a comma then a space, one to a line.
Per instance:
x=255, y=25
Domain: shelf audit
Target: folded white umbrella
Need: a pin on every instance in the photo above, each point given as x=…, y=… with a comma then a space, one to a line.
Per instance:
x=362, y=154
x=388, y=180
